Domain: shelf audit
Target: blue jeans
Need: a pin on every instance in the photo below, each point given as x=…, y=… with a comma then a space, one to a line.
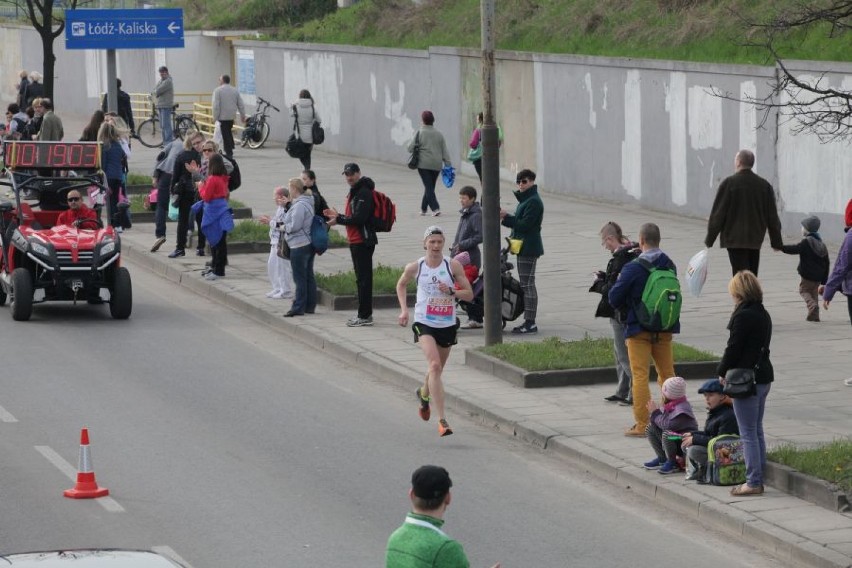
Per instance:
x=749, y=413
x=164, y=184
x=302, y=264
x=429, y=179
x=165, y=115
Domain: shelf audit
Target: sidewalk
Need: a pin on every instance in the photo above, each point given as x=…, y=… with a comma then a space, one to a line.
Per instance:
x=808, y=402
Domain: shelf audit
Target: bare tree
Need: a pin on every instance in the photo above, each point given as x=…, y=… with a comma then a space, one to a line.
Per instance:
x=809, y=104
x=48, y=19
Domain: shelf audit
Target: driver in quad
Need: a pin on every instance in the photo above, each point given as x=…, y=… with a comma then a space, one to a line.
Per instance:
x=77, y=211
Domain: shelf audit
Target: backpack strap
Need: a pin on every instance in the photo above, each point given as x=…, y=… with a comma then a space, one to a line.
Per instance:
x=296, y=121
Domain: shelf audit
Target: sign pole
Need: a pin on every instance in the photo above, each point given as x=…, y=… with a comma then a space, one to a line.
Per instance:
x=112, y=87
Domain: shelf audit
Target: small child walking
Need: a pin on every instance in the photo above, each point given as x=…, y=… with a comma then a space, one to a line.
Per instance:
x=278, y=269
x=813, y=264
x=667, y=426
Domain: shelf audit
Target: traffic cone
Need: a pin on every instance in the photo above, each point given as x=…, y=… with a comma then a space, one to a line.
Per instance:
x=86, y=487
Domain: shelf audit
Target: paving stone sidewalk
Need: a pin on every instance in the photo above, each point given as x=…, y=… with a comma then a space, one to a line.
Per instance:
x=808, y=402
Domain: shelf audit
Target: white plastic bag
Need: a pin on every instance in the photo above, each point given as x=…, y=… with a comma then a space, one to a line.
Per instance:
x=217, y=135
x=696, y=272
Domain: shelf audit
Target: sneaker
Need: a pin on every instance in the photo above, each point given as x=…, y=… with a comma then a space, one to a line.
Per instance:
x=176, y=253
x=848, y=382
x=199, y=252
x=668, y=468
x=424, y=411
x=118, y=229
x=614, y=398
x=526, y=327
x=438, y=214
x=211, y=276
x=626, y=402
x=157, y=244
x=273, y=294
x=472, y=325
x=360, y=322
x=635, y=432
x=653, y=464
x=444, y=428
x=422, y=213
x=696, y=475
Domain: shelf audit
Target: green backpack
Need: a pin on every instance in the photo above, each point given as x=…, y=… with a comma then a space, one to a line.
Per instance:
x=726, y=460
x=659, y=308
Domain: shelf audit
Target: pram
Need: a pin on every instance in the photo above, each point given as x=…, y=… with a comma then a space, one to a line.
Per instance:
x=512, y=295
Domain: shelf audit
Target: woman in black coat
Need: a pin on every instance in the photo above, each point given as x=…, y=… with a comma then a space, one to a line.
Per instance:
x=748, y=347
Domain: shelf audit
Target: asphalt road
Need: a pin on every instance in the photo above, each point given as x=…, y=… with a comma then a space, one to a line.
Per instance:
x=231, y=445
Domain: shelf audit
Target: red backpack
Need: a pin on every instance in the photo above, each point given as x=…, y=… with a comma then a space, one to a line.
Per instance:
x=384, y=213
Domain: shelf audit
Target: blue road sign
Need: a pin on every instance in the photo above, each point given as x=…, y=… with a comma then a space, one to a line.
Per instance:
x=123, y=29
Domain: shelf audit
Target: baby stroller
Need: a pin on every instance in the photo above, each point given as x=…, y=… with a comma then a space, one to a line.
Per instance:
x=512, y=295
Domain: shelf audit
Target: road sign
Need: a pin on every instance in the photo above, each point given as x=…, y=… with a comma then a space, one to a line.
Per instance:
x=123, y=29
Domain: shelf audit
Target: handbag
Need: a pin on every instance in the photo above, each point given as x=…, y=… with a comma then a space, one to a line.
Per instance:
x=739, y=383
x=414, y=158
x=317, y=131
x=515, y=245
x=475, y=154
x=283, y=250
x=295, y=147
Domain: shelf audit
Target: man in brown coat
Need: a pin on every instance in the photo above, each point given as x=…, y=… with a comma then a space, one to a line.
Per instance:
x=743, y=210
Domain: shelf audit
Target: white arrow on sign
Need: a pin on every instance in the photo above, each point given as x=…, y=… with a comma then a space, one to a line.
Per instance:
x=173, y=27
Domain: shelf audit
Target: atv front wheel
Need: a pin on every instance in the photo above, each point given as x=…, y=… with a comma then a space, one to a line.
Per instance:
x=121, y=296
x=22, y=294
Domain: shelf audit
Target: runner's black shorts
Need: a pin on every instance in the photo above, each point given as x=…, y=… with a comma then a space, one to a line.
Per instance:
x=444, y=336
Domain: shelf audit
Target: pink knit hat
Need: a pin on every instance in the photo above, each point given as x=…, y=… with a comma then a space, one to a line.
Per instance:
x=674, y=388
x=463, y=258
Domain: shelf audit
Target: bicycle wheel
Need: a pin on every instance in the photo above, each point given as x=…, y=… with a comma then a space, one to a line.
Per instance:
x=260, y=136
x=150, y=134
x=184, y=124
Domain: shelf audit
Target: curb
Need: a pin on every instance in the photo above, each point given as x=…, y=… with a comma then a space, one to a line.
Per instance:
x=807, y=487
x=344, y=303
x=787, y=546
x=569, y=377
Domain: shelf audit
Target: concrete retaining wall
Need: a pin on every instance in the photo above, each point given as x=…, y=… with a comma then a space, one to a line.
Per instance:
x=633, y=131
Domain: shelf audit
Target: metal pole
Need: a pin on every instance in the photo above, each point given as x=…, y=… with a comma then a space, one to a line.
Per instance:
x=112, y=89
x=490, y=184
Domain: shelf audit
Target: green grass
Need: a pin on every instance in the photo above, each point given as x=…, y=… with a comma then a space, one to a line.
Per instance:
x=135, y=178
x=137, y=200
x=831, y=462
x=249, y=231
x=555, y=353
x=343, y=283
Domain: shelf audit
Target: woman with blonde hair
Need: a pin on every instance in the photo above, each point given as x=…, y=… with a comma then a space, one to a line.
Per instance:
x=748, y=348
x=112, y=163
x=297, y=231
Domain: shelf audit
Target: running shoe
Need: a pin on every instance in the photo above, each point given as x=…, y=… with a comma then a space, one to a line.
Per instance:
x=424, y=410
x=444, y=428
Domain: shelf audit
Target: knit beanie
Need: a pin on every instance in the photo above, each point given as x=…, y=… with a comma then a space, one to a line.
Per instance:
x=811, y=224
x=674, y=388
x=463, y=258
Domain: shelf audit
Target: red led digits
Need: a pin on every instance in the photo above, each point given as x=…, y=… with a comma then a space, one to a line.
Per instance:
x=57, y=155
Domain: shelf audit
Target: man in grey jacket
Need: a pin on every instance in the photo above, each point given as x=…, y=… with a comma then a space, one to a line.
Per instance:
x=468, y=237
x=226, y=103
x=164, y=95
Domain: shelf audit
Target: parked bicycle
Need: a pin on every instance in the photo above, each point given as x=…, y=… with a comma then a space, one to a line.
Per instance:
x=150, y=132
x=256, y=130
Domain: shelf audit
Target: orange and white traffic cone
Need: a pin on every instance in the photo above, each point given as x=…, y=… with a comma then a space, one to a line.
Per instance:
x=86, y=487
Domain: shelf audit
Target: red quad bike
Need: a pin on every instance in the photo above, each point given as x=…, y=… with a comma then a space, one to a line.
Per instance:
x=45, y=262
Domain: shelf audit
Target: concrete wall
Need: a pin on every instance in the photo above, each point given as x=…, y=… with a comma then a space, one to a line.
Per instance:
x=633, y=131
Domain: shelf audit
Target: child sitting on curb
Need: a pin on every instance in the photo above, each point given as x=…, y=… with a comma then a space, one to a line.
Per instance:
x=667, y=425
x=813, y=264
x=720, y=420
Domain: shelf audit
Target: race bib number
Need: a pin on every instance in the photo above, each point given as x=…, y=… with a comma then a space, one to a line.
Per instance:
x=439, y=309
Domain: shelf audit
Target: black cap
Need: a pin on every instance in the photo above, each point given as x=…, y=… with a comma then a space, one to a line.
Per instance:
x=712, y=385
x=351, y=168
x=430, y=482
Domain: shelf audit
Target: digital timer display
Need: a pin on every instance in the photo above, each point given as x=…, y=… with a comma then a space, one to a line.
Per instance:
x=21, y=154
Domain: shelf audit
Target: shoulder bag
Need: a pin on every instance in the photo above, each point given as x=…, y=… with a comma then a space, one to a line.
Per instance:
x=283, y=250
x=741, y=382
x=414, y=159
x=295, y=147
x=317, y=131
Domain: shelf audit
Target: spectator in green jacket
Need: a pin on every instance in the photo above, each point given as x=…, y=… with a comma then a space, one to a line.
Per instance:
x=420, y=542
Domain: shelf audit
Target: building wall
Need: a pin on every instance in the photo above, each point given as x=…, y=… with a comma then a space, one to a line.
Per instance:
x=641, y=132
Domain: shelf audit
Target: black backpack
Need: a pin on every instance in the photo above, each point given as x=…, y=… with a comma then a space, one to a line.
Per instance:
x=235, y=178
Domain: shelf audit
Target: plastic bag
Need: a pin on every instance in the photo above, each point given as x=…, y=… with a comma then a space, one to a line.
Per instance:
x=696, y=272
x=217, y=134
x=448, y=176
x=173, y=211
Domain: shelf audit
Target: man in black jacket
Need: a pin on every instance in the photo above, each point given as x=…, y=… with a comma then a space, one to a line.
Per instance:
x=720, y=420
x=125, y=110
x=362, y=238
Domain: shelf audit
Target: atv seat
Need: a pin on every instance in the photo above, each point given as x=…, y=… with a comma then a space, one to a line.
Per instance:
x=37, y=220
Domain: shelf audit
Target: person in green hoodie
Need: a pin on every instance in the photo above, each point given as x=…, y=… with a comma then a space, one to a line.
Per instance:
x=526, y=227
x=420, y=542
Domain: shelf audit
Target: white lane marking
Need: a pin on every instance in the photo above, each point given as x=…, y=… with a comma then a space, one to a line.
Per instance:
x=6, y=416
x=70, y=471
x=168, y=552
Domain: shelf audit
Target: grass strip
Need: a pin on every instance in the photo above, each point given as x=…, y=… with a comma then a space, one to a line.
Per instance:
x=831, y=462
x=343, y=283
x=554, y=353
x=137, y=201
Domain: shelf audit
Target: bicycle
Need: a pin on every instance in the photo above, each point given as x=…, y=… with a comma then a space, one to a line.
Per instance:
x=256, y=130
x=150, y=133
